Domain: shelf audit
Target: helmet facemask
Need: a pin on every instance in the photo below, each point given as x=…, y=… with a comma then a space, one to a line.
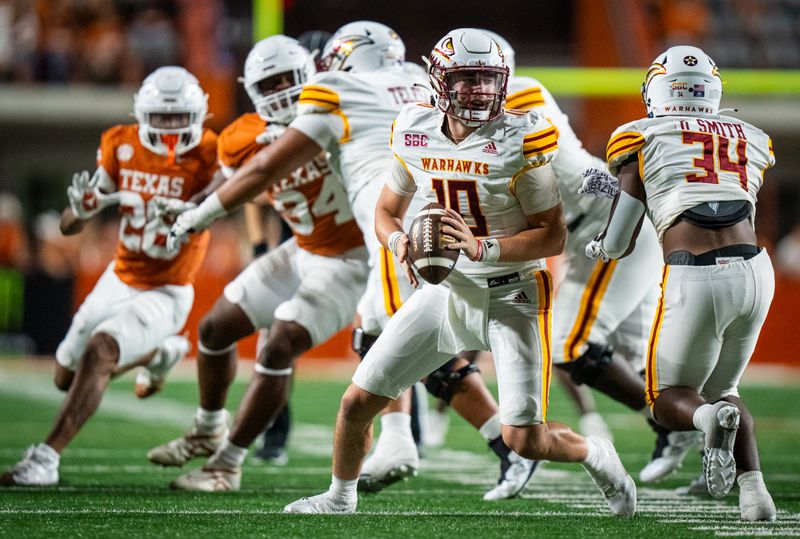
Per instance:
x=473, y=95
x=275, y=97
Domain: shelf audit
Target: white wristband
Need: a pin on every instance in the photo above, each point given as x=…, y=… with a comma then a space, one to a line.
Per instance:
x=209, y=211
x=491, y=250
x=394, y=237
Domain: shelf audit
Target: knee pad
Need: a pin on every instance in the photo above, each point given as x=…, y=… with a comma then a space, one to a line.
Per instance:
x=362, y=342
x=444, y=381
x=586, y=368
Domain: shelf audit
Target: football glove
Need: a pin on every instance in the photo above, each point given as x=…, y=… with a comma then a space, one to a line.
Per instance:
x=270, y=134
x=599, y=183
x=594, y=249
x=194, y=220
x=86, y=199
x=169, y=208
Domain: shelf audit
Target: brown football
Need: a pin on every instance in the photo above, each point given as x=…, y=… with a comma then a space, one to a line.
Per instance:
x=431, y=260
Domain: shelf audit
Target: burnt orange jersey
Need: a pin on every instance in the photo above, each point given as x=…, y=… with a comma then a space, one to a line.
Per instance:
x=142, y=259
x=311, y=200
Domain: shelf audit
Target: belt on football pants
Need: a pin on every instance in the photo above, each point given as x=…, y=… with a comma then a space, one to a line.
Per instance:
x=723, y=255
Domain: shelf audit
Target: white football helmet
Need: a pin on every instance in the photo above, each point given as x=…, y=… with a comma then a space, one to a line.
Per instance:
x=505, y=47
x=469, y=75
x=274, y=73
x=683, y=81
x=362, y=46
x=170, y=108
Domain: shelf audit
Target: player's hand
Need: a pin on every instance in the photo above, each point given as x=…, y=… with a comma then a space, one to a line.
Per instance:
x=85, y=197
x=594, y=249
x=599, y=183
x=270, y=134
x=170, y=208
x=458, y=228
x=179, y=233
x=401, y=251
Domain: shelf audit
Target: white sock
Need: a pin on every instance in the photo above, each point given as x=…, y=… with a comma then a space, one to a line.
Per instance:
x=229, y=455
x=751, y=481
x=48, y=453
x=344, y=489
x=210, y=419
x=594, y=454
x=491, y=429
x=703, y=417
x=396, y=422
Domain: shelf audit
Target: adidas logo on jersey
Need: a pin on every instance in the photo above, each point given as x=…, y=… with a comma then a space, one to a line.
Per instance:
x=522, y=297
x=490, y=148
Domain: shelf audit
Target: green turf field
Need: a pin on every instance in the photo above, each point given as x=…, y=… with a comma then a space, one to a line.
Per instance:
x=109, y=489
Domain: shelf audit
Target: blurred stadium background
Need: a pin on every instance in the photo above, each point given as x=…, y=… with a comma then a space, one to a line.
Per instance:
x=69, y=68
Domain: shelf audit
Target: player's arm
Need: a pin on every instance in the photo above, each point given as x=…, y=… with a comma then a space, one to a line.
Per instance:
x=390, y=209
x=625, y=221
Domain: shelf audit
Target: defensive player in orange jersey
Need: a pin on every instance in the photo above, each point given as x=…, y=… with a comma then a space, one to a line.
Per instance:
x=304, y=291
x=142, y=300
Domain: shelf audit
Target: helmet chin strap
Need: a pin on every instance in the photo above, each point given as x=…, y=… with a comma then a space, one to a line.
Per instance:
x=171, y=141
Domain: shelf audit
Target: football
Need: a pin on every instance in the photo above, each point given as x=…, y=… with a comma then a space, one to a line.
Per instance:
x=431, y=259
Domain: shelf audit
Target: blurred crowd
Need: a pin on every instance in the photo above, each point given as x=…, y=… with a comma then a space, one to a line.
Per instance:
x=97, y=41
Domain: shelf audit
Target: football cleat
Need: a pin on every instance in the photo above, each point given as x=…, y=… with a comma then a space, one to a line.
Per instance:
x=323, y=503
x=593, y=424
x=150, y=379
x=671, y=449
x=197, y=442
x=437, y=424
x=209, y=479
x=755, y=503
x=719, y=466
x=698, y=487
x=515, y=473
x=613, y=480
x=35, y=469
x=394, y=459
x=271, y=455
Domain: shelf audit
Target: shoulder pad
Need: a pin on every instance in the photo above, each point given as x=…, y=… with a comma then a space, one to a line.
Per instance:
x=626, y=140
x=524, y=93
x=540, y=143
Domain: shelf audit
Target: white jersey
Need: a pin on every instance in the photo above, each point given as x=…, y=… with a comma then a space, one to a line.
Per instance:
x=685, y=161
x=483, y=178
x=350, y=116
x=526, y=93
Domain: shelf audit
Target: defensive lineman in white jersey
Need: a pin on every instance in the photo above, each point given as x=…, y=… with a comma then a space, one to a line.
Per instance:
x=697, y=174
x=603, y=310
x=490, y=169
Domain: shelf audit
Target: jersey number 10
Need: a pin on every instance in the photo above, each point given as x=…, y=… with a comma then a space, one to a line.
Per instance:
x=448, y=194
x=717, y=145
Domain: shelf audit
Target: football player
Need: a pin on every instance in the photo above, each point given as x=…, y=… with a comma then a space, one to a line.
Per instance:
x=602, y=310
x=303, y=292
x=696, y=174
x=348, y=110
x=491, y=170
x=141, y=302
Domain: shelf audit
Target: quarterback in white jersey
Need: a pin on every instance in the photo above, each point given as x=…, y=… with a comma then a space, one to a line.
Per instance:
x=603, y=309
x=489, y=168
x=697, y=174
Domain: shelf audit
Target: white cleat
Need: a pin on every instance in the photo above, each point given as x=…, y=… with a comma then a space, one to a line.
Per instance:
x=150, y=379
x=613, y=480
x=698, y=487
x=36, y=469
x=670, y=458
x=719, y=466
x=321, y=504
x=515, y=473
x=756, y=505
x=593, y=424
x=209, y=479
x=394, y=459
x=196, y=442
